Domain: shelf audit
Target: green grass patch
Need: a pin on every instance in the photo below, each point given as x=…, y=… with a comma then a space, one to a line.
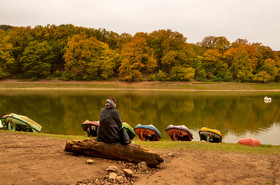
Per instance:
x=169, y=144
x=199, y=145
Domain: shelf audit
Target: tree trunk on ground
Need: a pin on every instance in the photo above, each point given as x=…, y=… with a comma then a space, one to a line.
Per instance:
x=116, y=151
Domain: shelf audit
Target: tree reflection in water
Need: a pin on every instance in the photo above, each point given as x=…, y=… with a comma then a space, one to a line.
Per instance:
x=63, y=112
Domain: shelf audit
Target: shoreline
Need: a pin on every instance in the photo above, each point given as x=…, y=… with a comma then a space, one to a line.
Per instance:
x=137, y=89
x=11, y=84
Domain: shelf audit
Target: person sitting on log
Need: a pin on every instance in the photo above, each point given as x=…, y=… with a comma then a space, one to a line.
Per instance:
x=110, y=125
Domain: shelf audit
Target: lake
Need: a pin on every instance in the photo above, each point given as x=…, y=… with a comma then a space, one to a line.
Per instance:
x=236, y=114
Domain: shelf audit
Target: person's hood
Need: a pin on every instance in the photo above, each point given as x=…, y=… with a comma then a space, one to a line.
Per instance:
x=110, y=104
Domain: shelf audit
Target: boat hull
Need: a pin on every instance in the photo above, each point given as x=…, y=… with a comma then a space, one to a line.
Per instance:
x=90, y=127
x=249, y=141
x=129, y=130
x=210, y=135
x=15, y=122
x=147, y=132
x=179, y=133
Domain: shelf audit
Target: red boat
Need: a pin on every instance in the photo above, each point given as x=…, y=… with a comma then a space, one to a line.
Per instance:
x=90, y=127
x=249, y=141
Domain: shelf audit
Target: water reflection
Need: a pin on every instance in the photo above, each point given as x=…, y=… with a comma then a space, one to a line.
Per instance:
x=234, y=114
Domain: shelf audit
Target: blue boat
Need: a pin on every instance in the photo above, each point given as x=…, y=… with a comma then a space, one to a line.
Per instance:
x=147, y=132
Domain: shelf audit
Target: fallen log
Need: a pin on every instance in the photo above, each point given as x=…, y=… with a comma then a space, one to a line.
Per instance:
x=116, y=151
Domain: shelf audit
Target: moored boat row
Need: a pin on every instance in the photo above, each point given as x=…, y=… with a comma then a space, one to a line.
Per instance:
x=151, y=133
x=91, y=128
x=16, y=122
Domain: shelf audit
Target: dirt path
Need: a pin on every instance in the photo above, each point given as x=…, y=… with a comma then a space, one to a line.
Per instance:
x=29, y=159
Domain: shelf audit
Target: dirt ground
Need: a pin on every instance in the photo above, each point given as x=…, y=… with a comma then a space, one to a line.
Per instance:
x=30, y=159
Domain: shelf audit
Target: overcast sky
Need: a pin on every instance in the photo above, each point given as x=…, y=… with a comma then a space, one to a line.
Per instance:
x=254, y=20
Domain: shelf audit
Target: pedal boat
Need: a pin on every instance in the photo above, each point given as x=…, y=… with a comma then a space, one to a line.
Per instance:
x=129, y=130
x=90, y=127
x=210, y=135
x=179, y=133
x=15, y=122
x=147, y=132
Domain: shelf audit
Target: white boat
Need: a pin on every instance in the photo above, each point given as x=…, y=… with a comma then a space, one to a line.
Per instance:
x=267, y=99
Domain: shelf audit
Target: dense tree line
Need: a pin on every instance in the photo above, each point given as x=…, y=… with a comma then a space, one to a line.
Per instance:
x=77, y=53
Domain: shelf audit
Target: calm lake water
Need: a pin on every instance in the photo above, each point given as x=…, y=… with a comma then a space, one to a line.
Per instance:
x=236, y=114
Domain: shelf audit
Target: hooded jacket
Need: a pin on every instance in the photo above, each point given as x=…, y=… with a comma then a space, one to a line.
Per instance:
x=110, y=124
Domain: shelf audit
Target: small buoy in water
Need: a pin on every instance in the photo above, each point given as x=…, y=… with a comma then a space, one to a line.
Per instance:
x=250, y=141
x=267, y=99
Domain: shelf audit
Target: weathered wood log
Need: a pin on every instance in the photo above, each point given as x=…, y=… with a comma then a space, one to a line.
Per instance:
x=116, y=151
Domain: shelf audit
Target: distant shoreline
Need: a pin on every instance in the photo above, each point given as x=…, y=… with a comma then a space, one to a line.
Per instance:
x=167, y=86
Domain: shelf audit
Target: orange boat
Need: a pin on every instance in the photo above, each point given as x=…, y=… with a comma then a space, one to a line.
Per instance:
x=179, y=133
x=147, y=132
x=250, y=141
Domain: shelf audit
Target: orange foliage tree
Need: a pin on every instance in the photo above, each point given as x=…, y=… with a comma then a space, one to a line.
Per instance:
x=137, y=58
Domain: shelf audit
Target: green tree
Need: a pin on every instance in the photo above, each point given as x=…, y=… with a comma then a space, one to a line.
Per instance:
x=184, y=58
x=262, y=76
x=36, y=60
x=200, y=73
x=270, y=68
x=19, y=38
x=213, y=63
x=179, y=73
x=163, y=41
x=161, y=76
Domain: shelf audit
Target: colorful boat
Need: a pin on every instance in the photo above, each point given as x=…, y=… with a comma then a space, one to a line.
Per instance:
x=15, y=122
x=147, y=132
x=129, y=130
x=1, y=126
x=210, y=135
x=179, y=133
x=250, y=141
x=90, y=127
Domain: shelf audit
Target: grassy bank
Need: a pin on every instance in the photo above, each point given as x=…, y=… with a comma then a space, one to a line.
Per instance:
x=168, y=144
x=145, y=85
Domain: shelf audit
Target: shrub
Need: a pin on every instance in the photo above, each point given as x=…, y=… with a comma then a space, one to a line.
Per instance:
x=161, y=76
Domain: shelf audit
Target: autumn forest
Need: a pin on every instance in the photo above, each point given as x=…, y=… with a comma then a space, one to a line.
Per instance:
x=69, y=52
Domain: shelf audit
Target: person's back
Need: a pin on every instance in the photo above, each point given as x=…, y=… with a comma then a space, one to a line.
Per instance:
x=110, y=123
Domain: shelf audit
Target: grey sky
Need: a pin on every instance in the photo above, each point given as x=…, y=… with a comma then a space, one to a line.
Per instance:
x=254, y=20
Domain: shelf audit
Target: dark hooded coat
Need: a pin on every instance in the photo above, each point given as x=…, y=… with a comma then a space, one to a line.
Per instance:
x=110, y=125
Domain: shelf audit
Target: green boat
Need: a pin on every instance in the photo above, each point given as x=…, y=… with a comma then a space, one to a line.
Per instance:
x=129, y=130
x=15, y=122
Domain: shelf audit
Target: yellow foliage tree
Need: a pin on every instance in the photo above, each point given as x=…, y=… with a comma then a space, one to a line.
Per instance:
x=137, y=58
x=87, y=59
